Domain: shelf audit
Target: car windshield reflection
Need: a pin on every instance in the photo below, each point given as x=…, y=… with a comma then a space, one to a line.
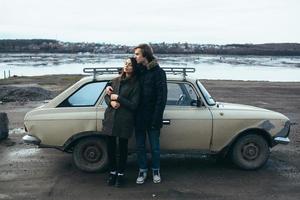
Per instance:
x=209, y=99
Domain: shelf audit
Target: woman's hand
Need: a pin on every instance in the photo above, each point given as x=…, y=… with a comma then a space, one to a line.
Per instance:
x=108, y=90
x=114, y=97
x=115, y=104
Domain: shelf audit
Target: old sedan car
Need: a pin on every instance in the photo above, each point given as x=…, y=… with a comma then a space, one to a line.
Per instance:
x=193, y=122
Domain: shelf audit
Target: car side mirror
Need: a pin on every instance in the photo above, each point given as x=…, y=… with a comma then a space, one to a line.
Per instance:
x=197, y=103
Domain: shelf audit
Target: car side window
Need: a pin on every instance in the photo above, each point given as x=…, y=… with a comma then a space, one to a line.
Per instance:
x=181, y=94
x=85, y=96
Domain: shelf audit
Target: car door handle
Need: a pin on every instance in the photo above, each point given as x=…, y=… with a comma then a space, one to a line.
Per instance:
x=166, y=121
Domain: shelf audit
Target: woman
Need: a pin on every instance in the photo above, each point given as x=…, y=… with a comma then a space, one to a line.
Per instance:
x=119, y=118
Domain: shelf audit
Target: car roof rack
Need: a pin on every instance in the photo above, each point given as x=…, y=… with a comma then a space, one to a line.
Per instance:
x=179, y=70
x=102, y=70
x=116, y=70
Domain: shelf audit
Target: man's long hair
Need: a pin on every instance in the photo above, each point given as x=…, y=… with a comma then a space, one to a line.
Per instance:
x=147, y=51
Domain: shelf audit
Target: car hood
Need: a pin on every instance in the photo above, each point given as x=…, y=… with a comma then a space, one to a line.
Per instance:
x=234, y=106
x=248, y=111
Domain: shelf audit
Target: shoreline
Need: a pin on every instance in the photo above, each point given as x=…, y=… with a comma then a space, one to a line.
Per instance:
x=19, y=79
x=168, y=54
x=246, y=68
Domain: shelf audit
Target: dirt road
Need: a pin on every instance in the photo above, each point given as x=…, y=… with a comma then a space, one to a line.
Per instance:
x=27, y=172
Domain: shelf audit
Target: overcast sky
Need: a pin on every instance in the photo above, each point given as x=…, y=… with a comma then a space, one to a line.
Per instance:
x=135, y=21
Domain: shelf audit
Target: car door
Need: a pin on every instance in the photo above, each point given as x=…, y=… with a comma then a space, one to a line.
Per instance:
x=186, y=126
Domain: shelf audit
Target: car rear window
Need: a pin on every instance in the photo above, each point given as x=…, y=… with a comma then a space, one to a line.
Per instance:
x=87, y=95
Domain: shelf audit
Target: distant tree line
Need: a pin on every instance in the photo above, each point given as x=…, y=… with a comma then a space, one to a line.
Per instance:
x=54, y=46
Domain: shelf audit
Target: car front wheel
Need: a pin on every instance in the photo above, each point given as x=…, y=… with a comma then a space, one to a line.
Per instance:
x=250, y=152
x=90, y=154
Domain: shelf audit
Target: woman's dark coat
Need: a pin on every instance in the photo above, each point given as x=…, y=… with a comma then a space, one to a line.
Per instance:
x=120, y=122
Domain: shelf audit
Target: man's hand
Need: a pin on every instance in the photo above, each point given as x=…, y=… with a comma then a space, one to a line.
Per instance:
x=114, y=97
x=109, y=90
x=115, y=104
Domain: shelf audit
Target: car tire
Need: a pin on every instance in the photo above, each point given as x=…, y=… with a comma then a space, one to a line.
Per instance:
x=250, y=152
x=90, y=154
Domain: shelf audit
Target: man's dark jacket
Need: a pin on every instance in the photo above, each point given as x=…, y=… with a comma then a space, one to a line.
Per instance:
x=153, y=97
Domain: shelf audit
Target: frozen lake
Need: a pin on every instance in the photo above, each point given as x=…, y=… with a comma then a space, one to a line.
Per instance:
x=261, y=68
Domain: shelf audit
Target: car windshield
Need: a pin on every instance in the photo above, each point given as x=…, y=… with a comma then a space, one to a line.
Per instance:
x=206, y=95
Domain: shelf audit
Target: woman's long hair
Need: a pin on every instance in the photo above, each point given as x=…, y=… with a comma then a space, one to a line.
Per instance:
x=135, y=70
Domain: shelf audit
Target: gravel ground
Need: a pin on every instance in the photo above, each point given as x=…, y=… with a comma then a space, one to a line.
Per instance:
x=27, y=172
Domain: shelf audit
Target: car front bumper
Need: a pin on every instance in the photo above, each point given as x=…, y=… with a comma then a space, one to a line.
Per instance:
x=283, y=136
x=281, y=140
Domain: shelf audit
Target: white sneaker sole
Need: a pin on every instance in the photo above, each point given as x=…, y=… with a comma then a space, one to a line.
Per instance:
x=140, y=182
x=158, y=181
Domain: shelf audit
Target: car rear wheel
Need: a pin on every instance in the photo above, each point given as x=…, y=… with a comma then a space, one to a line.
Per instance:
x=250, y=152
x=90, y=154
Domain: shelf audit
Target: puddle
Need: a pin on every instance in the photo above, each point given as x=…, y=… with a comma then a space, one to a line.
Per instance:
x=7, y=176
x=5, y=196
x=23, y=153
x=20, y=155
x=17, y=131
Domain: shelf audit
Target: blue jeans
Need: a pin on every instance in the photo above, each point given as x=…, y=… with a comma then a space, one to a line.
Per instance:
x=153, y=136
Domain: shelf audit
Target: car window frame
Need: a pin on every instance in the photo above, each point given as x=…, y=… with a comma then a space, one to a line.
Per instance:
x=204, y=97
x=197, y=91
x=79, y=106
x=194, y=89
x=101, y=100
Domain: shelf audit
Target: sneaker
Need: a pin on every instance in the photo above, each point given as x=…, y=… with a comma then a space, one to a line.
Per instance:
x=120, y=181
x=156, y=176
x=141, y=177
x=111, y=179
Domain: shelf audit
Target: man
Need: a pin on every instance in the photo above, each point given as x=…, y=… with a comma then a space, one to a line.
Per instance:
x=150, y=111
